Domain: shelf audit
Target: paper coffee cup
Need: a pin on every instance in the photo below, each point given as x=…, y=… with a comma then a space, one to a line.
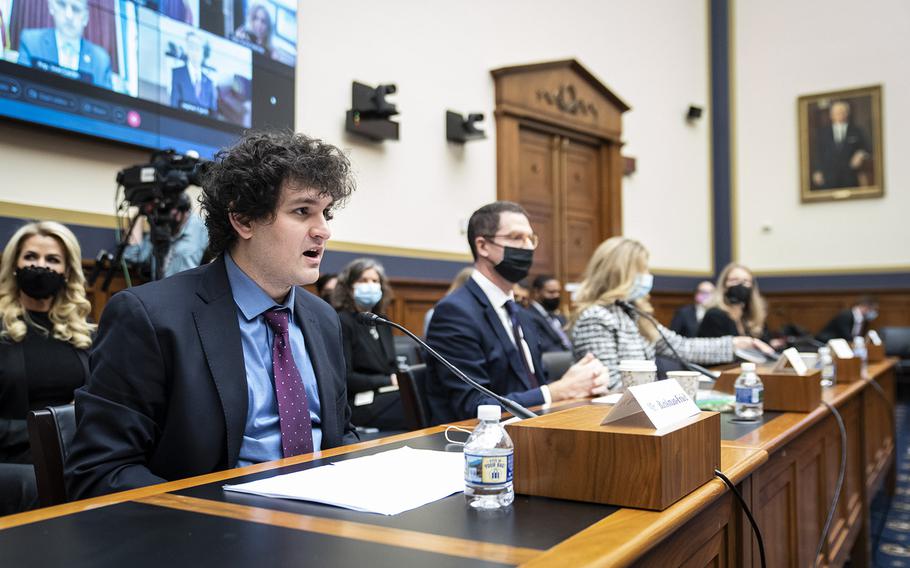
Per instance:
x=688, y=380
x=637, y=372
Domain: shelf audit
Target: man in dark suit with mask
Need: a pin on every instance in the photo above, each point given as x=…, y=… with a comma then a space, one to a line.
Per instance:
x=481, y=330
x=546, y=294
x=231, y=363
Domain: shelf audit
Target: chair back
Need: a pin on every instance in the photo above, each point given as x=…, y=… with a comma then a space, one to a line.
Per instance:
x=897, y=341
x=50, y=433
x=408, y=349
x=412, y=388
x=557, y=363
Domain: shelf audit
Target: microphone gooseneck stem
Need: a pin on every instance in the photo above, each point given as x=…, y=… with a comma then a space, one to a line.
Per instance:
x=512, y=406
x=630, y=307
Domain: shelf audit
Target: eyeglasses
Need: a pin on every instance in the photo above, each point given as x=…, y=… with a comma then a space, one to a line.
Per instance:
x=533, y=240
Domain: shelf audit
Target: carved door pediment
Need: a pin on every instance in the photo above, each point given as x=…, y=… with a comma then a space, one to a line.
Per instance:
x=563, y=92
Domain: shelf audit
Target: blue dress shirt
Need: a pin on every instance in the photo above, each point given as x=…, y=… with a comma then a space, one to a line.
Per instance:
x=262, y=433
x=186, y=251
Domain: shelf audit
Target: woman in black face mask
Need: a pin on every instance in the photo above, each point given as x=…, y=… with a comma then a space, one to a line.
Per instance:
x=44, y=341
x=736, y=308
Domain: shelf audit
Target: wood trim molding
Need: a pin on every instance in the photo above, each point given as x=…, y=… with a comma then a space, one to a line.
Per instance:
x=377, y=534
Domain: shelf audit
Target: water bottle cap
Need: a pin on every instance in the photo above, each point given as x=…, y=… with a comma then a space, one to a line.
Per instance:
x=489, y=412
x=748, y=367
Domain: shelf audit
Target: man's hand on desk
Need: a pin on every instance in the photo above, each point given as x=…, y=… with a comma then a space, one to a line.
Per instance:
x=588, y=377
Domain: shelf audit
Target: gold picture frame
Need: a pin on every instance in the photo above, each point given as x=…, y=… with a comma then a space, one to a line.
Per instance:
x=840, y=145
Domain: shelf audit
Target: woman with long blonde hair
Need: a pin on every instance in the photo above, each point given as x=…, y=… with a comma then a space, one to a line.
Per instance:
x=736, y=306
x=44, y=341
x=618, y=270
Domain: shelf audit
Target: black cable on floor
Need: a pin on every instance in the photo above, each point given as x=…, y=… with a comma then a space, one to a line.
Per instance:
x=840, y=478
x=742, y=502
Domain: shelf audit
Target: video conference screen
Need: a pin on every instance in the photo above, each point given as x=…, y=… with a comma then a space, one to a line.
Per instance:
x=182, y=74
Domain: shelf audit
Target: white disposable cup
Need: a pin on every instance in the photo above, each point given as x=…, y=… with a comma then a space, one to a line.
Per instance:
x=688, y=380
x=637, y=372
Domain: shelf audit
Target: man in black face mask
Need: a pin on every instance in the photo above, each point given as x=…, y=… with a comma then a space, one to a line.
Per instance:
x=481, y=330
x=546, y=293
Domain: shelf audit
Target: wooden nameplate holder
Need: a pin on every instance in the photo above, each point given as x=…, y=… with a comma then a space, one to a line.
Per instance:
x=570, y=455
x=875, y=348
x=785, y=391
x=848, y=370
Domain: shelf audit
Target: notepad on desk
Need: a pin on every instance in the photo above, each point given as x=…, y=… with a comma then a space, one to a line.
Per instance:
x=387, y=483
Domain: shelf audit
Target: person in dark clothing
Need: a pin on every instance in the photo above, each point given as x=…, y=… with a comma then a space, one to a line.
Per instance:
x=44, y=341
x=852, y=322
x=840, y=151
x=546, y=293
x=369, y=350
x=737, y=307
x=687, y=318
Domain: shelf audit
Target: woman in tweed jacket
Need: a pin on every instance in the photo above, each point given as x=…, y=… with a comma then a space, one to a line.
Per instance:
x=618, y=270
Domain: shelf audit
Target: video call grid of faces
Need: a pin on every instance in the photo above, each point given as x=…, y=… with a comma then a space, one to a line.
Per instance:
x=193, y=55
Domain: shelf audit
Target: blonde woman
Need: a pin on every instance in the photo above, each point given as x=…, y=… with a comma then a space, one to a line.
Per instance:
x=736, y=307
x=618, y=270
x=44, y=341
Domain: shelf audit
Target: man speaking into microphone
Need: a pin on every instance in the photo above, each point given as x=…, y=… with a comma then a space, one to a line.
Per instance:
x=230, y=363
x=483, y=332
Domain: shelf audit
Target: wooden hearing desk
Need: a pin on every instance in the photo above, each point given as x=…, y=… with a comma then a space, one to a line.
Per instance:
x=786, y=466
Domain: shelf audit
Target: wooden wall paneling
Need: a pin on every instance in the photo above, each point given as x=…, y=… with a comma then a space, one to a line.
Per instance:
x=813, y=309
x=710, y=539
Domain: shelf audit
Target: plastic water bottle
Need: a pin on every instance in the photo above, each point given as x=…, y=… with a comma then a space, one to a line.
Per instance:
x=488, y=456
x=859, y=350
x=750, y=393
x=826, y=364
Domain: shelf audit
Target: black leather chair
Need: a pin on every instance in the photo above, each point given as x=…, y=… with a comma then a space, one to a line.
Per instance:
x=557, y=363
x=50, y=432
x=411, y=387
x=897, y=344
x=409, y=349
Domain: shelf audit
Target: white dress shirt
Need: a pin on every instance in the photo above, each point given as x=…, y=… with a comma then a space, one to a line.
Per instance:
x=498, y=300
x=68, y=52
x=840, y=132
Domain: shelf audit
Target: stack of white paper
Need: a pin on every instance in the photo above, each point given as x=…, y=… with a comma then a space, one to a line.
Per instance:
x=389, y=482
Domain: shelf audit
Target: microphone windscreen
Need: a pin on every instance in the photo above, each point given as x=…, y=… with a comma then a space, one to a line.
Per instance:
x=365, y=317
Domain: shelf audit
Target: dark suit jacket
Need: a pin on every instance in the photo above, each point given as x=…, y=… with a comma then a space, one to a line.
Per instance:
x=833, y=159
x=167, y=397
x=467, y=331
x=183, y=91
x=840, y=326
x=41, y=44
x=14, y=405
x=685, y=321
x=549, y=339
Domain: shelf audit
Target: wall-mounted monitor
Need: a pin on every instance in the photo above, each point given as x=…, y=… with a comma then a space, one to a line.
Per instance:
x=182, y=74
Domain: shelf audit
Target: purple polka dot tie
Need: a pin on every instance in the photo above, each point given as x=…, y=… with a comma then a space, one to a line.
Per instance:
x=293, y=409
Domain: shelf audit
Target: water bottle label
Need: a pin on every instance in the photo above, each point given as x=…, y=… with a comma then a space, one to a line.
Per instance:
x=487, y=470
x=750, y=395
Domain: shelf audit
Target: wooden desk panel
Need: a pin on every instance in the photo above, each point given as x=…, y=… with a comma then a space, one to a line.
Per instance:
x=785, y=468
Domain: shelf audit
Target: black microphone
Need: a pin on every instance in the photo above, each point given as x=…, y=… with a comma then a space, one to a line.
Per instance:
x=630, y=309
x=512, y=406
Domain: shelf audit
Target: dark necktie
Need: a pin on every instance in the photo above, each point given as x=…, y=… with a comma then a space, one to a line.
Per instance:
x=512, y=309
x=557, y=327
x=293, y=409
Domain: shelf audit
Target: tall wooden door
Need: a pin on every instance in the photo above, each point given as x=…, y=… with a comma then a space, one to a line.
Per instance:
x=559, y=185
x=558, y=137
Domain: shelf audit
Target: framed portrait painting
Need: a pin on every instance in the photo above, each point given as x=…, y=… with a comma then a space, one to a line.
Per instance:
x=840, y=145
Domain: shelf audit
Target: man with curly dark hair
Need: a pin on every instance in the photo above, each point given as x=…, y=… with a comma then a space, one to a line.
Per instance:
x=231, y=363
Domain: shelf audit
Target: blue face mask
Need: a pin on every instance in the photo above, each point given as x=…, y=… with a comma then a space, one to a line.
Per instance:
x=871, y=315
x=641, y=287
x=367, y=294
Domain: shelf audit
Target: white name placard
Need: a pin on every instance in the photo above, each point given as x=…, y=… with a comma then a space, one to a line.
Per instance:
x=874, y=337
x=841, y=348
x=664, y=403
x=792, y=358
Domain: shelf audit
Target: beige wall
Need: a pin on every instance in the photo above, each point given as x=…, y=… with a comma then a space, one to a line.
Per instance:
x=419, y=192
x=783, y=50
